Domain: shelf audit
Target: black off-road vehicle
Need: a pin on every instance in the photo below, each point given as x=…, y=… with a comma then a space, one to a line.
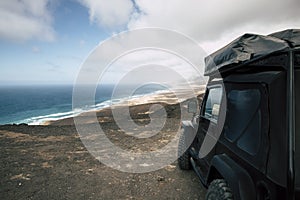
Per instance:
x=245, y=142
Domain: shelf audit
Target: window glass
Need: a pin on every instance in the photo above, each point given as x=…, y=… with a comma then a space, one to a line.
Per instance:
x=213, y=102
x=243, y=119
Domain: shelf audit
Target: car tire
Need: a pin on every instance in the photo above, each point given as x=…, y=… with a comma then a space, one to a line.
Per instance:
x=219, y=190
x=183, y=155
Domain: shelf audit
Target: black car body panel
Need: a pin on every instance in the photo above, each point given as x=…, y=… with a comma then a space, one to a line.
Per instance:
x=249, y=122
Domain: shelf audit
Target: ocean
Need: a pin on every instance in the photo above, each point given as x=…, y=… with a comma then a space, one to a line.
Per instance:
x=36, y=104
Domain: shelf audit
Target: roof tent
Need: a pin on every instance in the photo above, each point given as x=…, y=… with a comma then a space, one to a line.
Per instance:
x=249, y=47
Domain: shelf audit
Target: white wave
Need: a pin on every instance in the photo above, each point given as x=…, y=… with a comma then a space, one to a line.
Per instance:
x=53, y=115
x=38, y=120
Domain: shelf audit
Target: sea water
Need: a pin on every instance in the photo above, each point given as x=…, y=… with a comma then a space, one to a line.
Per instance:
x=35, y=104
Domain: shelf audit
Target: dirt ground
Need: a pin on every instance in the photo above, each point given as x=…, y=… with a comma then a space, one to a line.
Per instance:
x=50, y=162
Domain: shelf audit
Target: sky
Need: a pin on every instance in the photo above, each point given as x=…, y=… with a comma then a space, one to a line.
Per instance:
x=47, y=41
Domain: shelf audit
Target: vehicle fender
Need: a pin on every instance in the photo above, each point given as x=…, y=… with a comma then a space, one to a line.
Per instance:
x=188, y=126
x=238, y=178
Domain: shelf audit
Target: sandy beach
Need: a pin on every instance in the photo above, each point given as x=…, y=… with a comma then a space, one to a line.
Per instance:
x=51, y=162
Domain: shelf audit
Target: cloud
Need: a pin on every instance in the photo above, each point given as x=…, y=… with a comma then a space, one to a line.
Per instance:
x=150, y=58
x=218, y=22
x=22, y=20
x=112, y=14
x=212, y=23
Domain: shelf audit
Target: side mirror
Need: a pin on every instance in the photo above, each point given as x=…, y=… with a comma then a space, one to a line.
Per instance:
x=192, y=106
x=215, y=110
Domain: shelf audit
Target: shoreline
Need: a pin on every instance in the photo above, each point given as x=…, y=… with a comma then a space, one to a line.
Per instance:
x=142, y=103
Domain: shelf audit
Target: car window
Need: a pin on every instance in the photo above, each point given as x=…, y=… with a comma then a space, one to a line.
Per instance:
x=212, y=104
x=243, y=119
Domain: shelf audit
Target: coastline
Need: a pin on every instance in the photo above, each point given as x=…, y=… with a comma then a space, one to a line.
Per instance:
x=140, y=104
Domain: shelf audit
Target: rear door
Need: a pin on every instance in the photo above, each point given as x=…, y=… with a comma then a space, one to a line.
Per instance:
x=245, y=132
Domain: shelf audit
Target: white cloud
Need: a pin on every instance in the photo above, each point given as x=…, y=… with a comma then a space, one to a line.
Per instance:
x=216, y=22
x=112, y=14
x=22, y=20
x=212, y=23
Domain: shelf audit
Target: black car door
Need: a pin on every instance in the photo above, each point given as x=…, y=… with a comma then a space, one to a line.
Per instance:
x=208, y=131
